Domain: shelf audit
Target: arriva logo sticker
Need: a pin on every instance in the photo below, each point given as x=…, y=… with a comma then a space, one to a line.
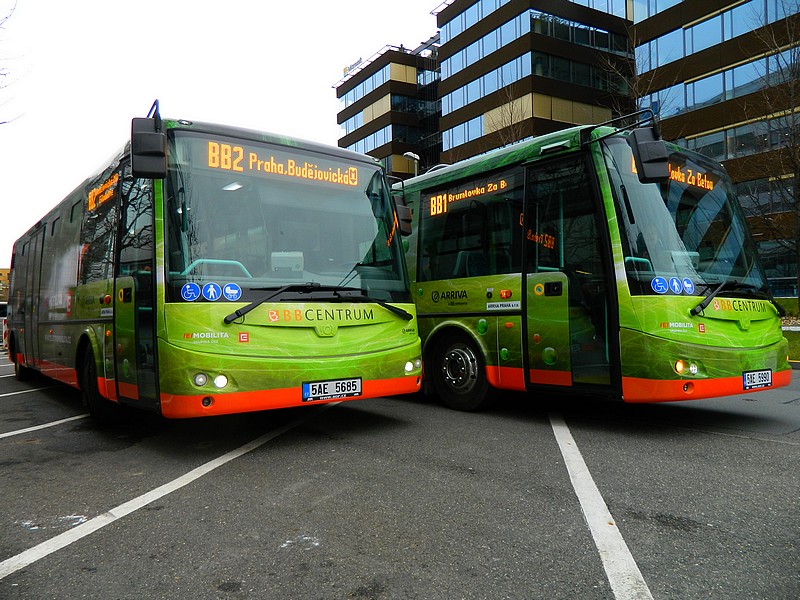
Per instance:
x=436, y=296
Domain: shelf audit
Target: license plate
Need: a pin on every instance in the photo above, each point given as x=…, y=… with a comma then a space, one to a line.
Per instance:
x=331, y=389
x=752, y=380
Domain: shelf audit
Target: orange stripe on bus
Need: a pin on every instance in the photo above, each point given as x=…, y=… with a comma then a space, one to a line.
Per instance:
x=639, y=390
x=551, y=377
x=506, y=378
x=179, y=406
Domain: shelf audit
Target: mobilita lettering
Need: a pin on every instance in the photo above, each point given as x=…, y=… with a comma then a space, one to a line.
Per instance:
x=206, y=335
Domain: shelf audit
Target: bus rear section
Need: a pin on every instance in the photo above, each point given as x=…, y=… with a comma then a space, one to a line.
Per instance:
x=551, y=266
x=238, y=271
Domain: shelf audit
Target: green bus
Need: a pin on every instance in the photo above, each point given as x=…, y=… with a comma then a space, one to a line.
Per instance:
x=209, y=270
x=596, y=261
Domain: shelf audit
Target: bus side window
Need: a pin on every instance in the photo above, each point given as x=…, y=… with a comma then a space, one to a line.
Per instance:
x=474, y=235
x=136, y=251
x=98, y=230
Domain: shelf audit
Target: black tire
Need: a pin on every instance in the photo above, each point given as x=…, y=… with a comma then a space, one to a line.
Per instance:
x=458, y=372
x=21, y=372
x=104, y=411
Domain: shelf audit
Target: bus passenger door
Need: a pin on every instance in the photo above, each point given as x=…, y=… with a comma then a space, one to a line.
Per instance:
x=567, y=324
x=32, y=302
x=134, y=301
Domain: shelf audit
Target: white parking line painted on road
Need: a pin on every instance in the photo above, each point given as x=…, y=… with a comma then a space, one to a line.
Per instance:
x=44, y=426
x=30, y=556
x=26, y=391
x=621, y=569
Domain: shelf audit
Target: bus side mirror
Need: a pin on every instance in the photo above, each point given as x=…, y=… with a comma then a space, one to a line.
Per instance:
x=148, y=149
x=403, y=217
x=649, y=155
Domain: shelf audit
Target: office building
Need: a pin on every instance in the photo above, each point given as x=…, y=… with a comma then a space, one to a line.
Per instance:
x=497, y=72
x=722, y=76
x=390, y=107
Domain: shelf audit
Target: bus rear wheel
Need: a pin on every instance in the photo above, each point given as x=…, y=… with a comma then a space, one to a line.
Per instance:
x=459, y=374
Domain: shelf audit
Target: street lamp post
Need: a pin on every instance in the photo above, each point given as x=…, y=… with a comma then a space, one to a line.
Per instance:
x=415, y=158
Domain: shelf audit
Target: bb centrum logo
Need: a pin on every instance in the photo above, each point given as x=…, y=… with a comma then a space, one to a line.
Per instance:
x=740, y=305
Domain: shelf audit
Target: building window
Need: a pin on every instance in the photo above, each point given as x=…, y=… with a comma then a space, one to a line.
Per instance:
x=462, y=133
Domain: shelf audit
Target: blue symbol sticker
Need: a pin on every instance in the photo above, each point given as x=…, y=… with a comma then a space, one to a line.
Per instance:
x=688, y=286
x=675, y=285
x=659, y=285
x=190, y=292
x=232, y=292
x=212, y=291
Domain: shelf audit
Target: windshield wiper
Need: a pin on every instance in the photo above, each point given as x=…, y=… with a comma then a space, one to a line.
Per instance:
x=725, y=285
x=360, y=296
x=307, y=287
x=337, y=293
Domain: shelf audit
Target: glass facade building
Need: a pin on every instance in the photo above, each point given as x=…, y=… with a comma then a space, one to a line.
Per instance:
x=389, y=107
x=721, y=75
x=504, y=70
x=501, y=71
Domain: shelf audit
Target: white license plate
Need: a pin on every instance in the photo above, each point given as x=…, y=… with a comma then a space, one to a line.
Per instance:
x=752, y=380
x=331, y=389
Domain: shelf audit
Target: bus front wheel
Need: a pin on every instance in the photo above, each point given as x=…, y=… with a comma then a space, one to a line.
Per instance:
x=21, y=372
x=101, y=409
x=459, y=374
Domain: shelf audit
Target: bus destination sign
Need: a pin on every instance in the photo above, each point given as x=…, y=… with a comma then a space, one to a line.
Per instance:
x=440, y=202
x=238, y=159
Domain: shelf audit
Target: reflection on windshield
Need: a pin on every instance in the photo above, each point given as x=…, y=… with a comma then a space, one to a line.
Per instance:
x=684, y=236
x=253, y=228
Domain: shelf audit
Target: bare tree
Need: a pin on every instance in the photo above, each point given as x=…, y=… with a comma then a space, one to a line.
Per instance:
x=508, y=121
x=632, y=79
x=5, y=72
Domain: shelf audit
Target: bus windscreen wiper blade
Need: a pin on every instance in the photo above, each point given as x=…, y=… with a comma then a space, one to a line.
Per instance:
x=729, y=285
x=313, y=290
x=360, y=296
x=292, y=287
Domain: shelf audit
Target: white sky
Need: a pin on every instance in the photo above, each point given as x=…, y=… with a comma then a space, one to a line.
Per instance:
x=79, y=70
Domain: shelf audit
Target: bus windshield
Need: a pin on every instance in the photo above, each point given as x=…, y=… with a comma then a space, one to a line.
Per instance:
x=252, y=216
x=684, y=237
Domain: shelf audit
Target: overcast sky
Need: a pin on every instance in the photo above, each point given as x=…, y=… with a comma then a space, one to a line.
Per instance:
x=79, y=70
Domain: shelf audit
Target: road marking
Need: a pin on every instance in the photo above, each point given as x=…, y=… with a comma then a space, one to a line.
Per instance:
x=45, y=426
x=621, y=569
x=30, y=556
x=46, y=387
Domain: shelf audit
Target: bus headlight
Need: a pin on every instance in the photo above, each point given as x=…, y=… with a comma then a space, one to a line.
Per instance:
x=220, y=381
x=410, y=366
x=685, y=367
x=200, y=379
